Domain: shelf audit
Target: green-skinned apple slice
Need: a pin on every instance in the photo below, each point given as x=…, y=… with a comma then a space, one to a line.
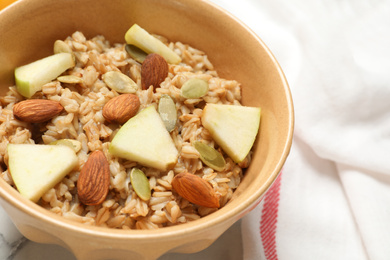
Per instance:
x=37, y=168
x=140, y=38
x=145, y=139
x=31, y=77
x=234, y=128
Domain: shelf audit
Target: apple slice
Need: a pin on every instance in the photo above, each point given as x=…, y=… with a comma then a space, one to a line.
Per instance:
x=140, y=38
x=37, y=168
x=234, y=128
x=144, y=139
x=31, y=77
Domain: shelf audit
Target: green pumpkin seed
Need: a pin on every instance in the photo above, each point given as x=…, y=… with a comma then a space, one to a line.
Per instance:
x=140, y=184
x=71, y=79
x=74, y=144
x=167, y=111
x=119, y=82
x=136, y=53
x=210, y=156
x=194, y=88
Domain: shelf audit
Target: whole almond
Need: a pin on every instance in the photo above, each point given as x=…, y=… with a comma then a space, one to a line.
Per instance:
x=121, y=108
x=94, y=179
x=154, y=70
x=195, y=189
x=37, y=110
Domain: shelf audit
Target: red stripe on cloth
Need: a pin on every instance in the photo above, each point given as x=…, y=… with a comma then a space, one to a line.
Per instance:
x=269, y=219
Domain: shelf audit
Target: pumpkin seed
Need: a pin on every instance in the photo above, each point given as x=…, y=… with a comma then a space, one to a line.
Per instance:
x=136, y=53
x=74, y=144
x=61, y=46
x=194, y=88
x=119, y=82
x=71, y=79
x=140, y=184
x=167, y=111
x=210, y=156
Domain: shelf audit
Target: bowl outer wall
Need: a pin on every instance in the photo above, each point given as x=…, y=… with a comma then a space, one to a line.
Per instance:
x=236, y=52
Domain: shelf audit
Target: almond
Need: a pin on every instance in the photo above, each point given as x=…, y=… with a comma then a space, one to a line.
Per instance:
x=94, y=179
x=121, y=108
x=154, y=70
x=37, y=110
x=195, y=189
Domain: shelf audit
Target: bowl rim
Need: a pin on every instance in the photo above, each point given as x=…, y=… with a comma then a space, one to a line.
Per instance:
x=13, y=197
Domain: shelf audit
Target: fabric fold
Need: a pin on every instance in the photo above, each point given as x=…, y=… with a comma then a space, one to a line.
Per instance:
x=369, y=198
x=334, y=190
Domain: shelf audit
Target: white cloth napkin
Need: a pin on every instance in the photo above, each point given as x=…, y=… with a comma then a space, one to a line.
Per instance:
x=332, y=200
